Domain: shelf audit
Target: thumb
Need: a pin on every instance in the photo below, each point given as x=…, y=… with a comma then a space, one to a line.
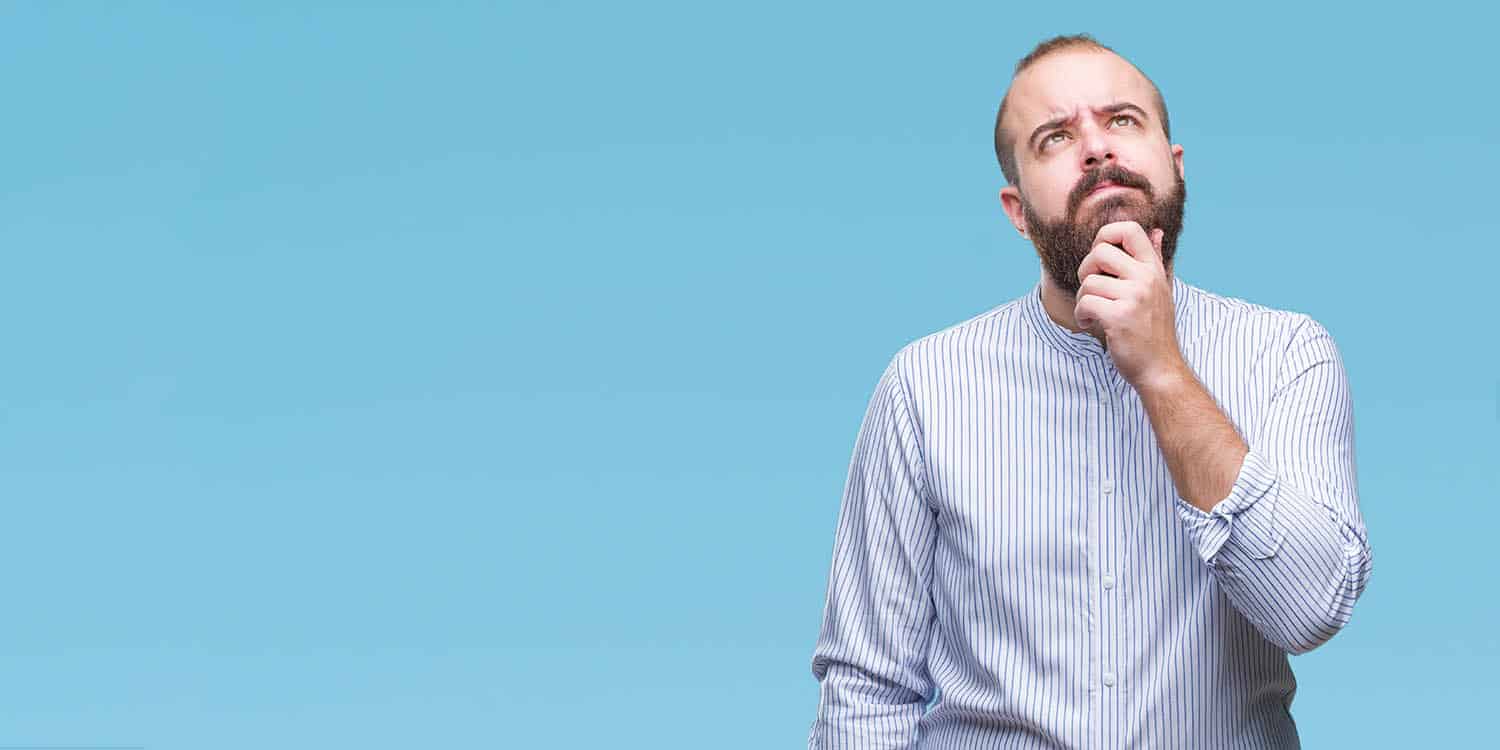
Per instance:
x=1156, y=237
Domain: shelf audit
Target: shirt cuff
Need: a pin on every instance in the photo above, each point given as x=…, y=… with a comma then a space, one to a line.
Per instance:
x=1247, y=514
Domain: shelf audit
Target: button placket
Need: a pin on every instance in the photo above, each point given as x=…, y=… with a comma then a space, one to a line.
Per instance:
x=1110, y=514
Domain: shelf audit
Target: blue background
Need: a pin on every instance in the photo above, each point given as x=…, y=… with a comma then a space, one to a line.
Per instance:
x=388, y=376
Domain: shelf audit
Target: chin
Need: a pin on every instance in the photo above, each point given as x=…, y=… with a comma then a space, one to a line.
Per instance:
x=1115, y=209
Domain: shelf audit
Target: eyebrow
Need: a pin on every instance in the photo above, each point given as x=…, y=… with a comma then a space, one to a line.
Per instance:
x=1110, y=109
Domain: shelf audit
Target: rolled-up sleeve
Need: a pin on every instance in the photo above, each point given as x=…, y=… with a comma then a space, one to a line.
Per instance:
x=1288, y=544
x=870, y=656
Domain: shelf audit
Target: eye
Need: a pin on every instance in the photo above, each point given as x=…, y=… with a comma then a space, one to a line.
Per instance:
x=1127, y=118
x=1047, y=139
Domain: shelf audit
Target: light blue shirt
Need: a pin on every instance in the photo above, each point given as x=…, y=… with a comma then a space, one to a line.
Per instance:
x=1011, y=548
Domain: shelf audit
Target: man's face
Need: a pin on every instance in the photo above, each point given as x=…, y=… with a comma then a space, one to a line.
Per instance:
x=1080, y=119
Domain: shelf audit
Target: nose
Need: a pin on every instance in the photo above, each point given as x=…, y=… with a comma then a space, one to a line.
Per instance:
x=1097, y=149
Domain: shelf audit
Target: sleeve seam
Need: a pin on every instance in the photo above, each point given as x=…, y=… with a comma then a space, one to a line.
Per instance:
x=908, y=407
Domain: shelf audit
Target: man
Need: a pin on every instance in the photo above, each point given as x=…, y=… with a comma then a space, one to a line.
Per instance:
x=1100, y=515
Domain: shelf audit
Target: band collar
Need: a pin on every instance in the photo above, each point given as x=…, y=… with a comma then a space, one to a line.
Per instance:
x=1082, y=344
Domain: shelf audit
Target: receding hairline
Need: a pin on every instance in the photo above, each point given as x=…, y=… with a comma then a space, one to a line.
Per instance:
x=1029, y=61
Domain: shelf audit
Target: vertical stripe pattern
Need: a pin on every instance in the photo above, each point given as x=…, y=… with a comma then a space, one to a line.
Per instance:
x=1013, y=567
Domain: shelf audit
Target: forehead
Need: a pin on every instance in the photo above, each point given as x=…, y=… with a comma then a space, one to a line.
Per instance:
x=1064, y=82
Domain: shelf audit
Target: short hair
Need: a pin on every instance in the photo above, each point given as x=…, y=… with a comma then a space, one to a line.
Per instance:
x=1005, y=143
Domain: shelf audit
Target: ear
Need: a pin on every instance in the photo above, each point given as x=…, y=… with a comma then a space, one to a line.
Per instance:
x=1010, y=200
x=1177, y=159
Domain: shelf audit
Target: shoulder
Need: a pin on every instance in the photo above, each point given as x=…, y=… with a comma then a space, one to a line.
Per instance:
x=1223, y=317
x=955, y=343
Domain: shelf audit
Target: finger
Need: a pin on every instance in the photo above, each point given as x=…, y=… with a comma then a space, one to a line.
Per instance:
x=1107, y=258
x=1104, y=286
x=1091, y=309
x=1130, y=236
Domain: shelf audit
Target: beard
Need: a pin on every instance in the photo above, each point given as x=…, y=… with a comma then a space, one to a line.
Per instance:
x=1062, y=245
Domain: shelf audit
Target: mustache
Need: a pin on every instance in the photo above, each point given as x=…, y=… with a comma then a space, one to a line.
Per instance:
x=1112, y=173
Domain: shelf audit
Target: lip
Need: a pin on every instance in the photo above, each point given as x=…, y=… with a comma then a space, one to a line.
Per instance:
x=1108, y=185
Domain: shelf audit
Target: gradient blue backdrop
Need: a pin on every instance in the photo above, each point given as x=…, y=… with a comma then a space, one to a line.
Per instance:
x=473, y=375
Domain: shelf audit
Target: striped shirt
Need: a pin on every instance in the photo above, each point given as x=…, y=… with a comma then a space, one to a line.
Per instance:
x=1013, y=567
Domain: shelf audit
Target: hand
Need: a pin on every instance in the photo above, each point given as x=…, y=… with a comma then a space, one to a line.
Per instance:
x=1133, y=313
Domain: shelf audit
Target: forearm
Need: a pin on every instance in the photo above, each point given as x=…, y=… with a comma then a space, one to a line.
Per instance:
x=1202, y=448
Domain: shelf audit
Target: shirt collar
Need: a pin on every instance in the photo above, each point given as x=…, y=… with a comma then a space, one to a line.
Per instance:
x=1081, y=344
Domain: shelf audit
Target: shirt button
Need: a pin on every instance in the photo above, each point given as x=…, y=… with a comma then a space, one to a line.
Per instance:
x=1108, y=486
x=1109, y=581
x=1109, y=679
